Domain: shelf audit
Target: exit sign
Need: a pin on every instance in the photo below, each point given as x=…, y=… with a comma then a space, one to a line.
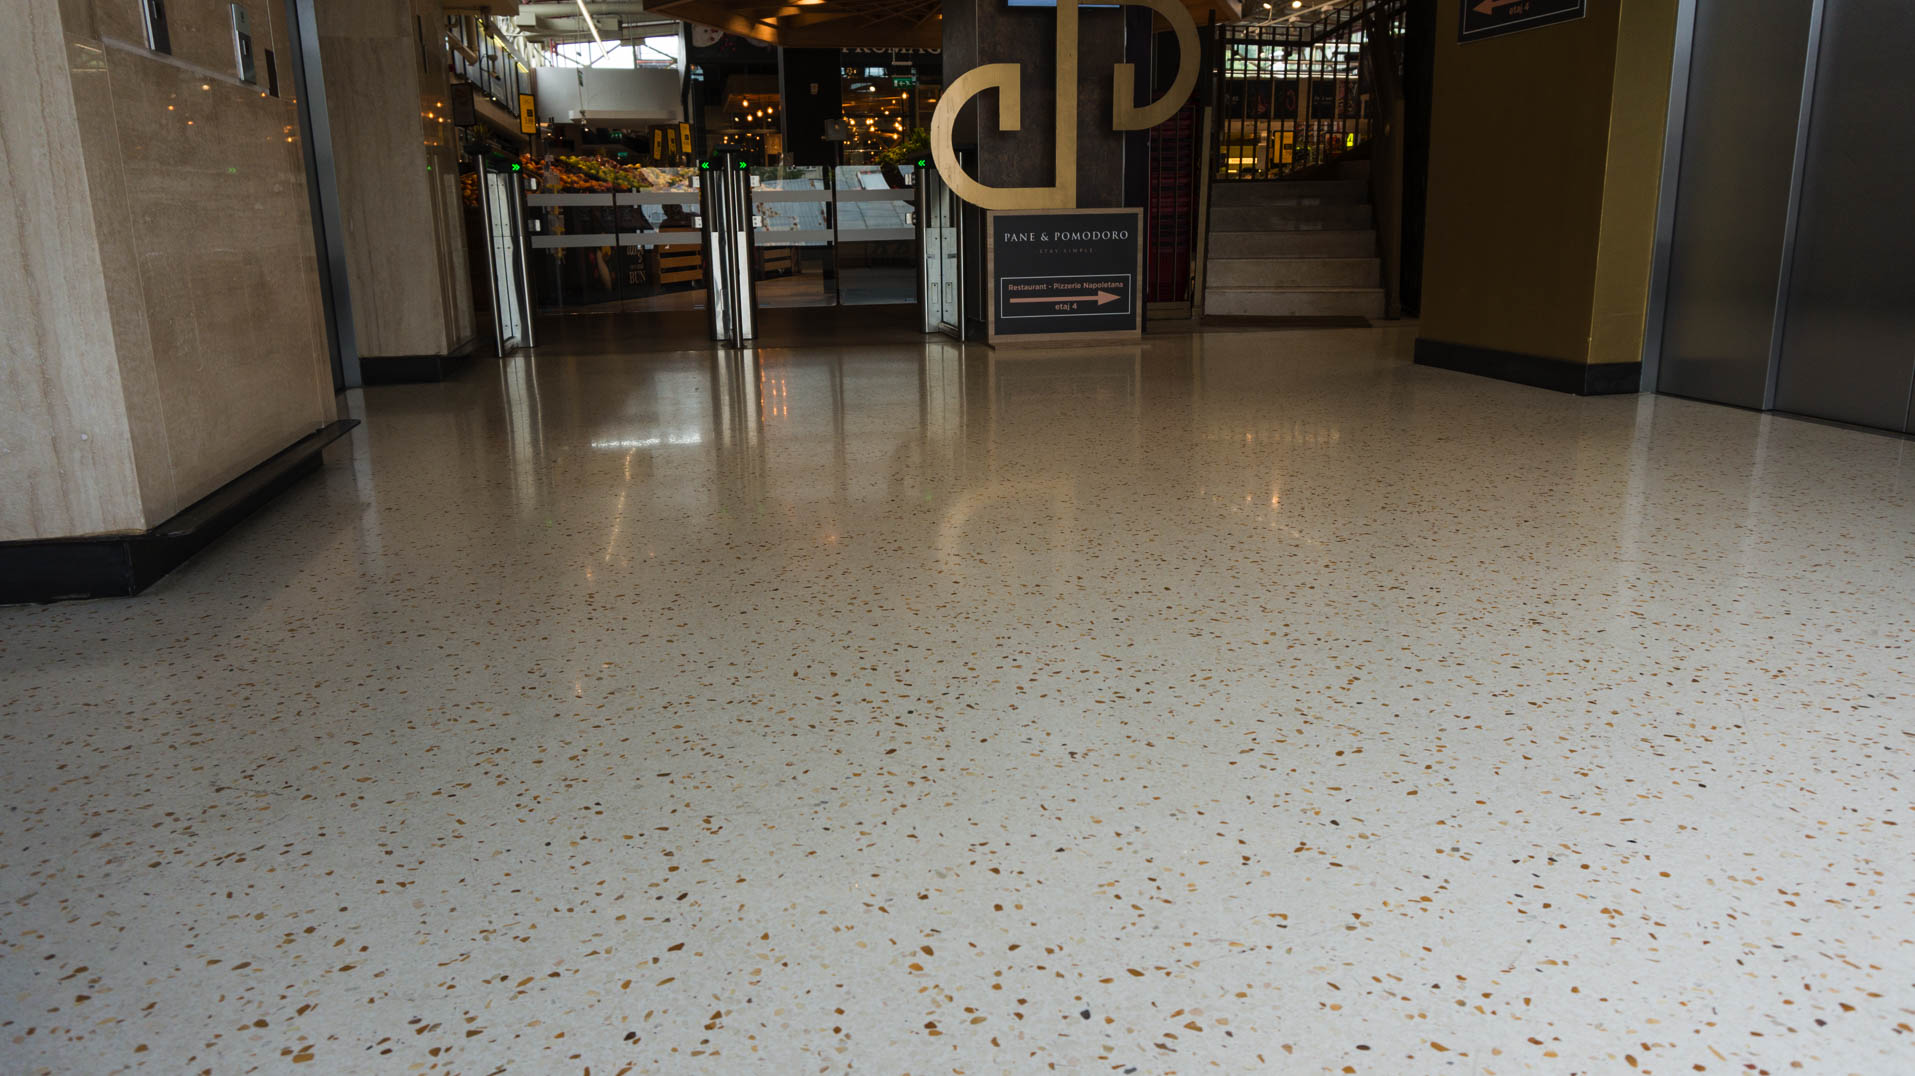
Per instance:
x=904, y=80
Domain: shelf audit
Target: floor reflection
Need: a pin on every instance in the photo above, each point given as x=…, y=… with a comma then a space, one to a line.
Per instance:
x=816, y=691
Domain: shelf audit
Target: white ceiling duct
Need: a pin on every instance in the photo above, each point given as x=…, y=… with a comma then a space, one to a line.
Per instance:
x=617, y=97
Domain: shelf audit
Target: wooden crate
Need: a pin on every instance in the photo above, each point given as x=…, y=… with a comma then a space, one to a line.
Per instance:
x=774, y=260
x=680, y=265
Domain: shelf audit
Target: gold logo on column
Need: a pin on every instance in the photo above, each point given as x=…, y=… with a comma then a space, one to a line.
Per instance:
x=1004, y=78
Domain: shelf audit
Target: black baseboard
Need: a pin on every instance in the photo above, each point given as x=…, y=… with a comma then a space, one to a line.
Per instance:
x=416, y=369
x=122, y=565
x=1583, y=379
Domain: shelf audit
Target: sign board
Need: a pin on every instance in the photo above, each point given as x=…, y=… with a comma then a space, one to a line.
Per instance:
x=465, y=109
x=1489, y=18
x=243, y=45
x=528, y=114
x=1065, y=275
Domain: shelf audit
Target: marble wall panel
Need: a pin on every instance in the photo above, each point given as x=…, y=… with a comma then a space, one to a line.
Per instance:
x=66, y=460
x=119, y=264
x=384, y=194
x=396, y=161
x=164, y=333
x=220, y=228
x=440, y=138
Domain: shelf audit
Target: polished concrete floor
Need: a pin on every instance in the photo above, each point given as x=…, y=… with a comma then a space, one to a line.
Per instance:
x=883, y=285
x=1251, y=702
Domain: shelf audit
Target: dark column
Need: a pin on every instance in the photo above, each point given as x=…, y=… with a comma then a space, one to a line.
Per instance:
x=811, y=89
x=980, y=32
x=1419, y=56
x=1138, y=49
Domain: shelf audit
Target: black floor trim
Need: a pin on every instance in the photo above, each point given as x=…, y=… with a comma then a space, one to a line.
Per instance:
x=122, y=565
x=1583, y=379
x=416, y=369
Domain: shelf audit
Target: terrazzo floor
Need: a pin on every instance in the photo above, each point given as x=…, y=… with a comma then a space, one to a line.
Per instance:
x=1251, y=703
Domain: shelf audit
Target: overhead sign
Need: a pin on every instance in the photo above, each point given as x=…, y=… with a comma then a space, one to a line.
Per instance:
x=1007, y=78
x=1489, y=18
x=465, y=107
x=528, y=114
x=1065, y=273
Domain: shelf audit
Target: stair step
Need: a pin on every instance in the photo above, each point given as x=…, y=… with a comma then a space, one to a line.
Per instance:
x=1353, y=170
x=1234, y=193
x=1293, y=272
x=1327, y=216
x=1294, y=302
x=1340, y=243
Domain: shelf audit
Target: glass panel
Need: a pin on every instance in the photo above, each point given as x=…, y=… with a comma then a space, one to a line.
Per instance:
x=599, y=232
x=877, y=233
x=791, y=229
x=660, y=240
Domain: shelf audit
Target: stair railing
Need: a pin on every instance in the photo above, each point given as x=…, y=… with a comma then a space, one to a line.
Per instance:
x=1386, y=151
x=1290, y=91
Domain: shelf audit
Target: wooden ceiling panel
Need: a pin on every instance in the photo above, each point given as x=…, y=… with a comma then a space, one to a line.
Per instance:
x=895, y=24
x=873, y=24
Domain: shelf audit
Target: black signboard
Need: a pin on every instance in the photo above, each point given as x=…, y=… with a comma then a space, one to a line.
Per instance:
x=1488, y=18
x=1066, y=272
x=465, y=109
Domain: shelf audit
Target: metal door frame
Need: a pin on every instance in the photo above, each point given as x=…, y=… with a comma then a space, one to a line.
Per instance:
x=931, y=190
x=731, y=297
x=512, y=216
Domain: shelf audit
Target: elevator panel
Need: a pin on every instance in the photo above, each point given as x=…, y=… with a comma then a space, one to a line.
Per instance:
x=1738, y=148
x=1848, y=342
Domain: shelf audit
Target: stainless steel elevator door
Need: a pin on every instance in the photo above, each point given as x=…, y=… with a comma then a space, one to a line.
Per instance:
x=1848, y=342
x=1732, y=200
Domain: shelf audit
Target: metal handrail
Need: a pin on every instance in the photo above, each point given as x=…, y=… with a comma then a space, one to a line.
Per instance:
x=1386, y=154
x=1270, y=127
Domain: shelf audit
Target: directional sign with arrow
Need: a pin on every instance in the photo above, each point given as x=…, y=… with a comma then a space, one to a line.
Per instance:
x=1489, y=18
x=1065, y=273
x=1064, y=296
x=1100, y=298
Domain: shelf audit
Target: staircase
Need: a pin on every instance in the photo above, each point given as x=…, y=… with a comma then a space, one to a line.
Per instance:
x=1294, y=248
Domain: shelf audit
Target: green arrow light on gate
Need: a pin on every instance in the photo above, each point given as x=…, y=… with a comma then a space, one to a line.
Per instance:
x=705, y=165
x=743, y=165
x=920, y=164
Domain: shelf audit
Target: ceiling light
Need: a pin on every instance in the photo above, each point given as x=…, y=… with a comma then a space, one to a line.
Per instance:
x=590, y=21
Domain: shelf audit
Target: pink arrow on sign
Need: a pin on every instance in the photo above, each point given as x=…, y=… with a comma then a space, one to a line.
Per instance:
x=1101, y=298
x=1488, y=7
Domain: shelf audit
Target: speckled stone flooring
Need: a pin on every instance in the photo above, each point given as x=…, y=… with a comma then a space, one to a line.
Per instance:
x=1256, y=702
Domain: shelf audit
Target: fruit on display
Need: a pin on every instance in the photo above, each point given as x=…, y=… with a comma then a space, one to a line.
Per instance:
x=569, y=173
